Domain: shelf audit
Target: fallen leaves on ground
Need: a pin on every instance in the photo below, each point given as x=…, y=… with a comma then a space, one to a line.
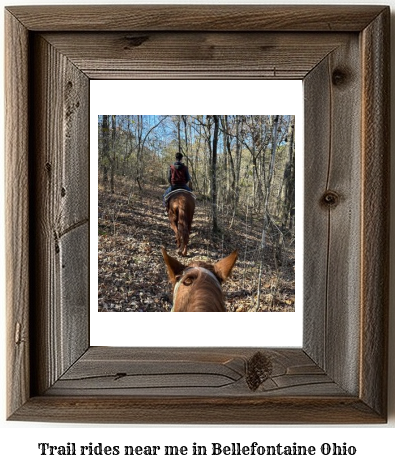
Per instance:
x=132, y=277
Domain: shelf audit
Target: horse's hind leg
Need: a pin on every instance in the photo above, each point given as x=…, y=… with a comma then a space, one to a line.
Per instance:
x=184, y=238
x=183, y=249
x=180, y=241
x=173, y=225
x=176, y=236
x=186, y=230
x=186, y=241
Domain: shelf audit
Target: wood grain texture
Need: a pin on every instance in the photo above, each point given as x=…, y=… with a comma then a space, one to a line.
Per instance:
x=196, y=55
x=333, y=221
x=198, y=410
x=375, y=211
x=17, y=213
x=196, y=17
x=59, y=229
x=317, y=114
x=339, y=376
x=191, y=372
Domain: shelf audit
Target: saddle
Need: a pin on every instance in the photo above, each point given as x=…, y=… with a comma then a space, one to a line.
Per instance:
x=177, y=191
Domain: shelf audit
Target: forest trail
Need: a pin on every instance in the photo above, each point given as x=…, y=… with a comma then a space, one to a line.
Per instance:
x=133, y=226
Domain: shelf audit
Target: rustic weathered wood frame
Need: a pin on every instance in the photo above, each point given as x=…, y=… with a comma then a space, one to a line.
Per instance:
x=340, y=374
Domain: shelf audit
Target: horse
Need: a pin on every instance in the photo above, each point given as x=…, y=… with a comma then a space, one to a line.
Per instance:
x=181, y=207
x=198, y=286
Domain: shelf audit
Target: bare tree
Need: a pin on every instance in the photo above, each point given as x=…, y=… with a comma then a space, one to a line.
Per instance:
x=214, y=173
x=105, y=155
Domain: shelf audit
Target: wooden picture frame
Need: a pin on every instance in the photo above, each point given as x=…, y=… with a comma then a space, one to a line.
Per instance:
x=340, y=374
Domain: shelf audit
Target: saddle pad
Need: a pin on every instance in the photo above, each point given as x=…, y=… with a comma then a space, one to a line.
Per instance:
x=172, y=193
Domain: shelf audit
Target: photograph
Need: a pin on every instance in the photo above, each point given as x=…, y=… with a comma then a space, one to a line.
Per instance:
x=196, y=213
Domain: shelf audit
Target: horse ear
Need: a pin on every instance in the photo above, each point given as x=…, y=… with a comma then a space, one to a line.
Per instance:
x=223, y=268
x=174, y=267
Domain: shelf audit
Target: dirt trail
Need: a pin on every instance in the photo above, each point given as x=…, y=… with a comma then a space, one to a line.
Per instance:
x=133, y=226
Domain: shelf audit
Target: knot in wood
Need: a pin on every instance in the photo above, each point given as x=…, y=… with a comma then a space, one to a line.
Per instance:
x=259, y=369
x=340, y=77
x=330, y=199
x=135, y=41
x=18, y=334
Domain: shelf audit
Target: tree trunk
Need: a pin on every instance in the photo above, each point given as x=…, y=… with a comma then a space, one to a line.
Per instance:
x=289, y=179
x=271, y=168
x=214, y=174
x=106, y=148
x=113, y=156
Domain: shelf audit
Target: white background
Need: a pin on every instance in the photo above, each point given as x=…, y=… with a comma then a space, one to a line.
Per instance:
x=18, y=441
x=204, y=97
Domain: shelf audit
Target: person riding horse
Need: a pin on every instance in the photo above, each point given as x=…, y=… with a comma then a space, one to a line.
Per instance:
x=179, y=202
x=178, y=176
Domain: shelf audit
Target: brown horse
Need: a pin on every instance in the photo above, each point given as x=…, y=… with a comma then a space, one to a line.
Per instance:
x=197, y=287
x=181, y=207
